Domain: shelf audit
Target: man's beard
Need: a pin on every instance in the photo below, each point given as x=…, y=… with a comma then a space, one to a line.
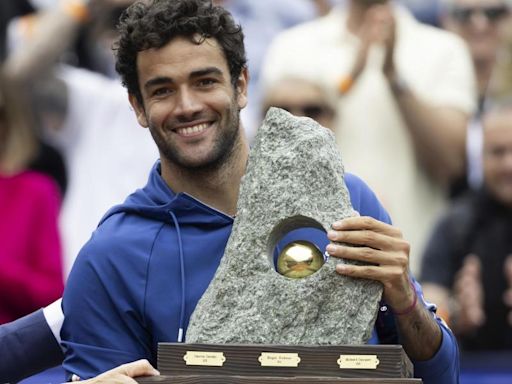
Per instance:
x=222, y=150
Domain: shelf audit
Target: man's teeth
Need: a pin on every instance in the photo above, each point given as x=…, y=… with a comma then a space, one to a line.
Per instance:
x=192, y=130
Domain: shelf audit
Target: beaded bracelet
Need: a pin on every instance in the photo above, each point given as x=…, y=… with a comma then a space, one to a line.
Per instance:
x=410, y=308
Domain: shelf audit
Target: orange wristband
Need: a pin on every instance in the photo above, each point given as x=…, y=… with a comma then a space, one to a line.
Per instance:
x=77, y=10
x=345, y=84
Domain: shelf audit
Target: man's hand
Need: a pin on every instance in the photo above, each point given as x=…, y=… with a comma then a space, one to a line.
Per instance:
x=383, y=247
x=380, y=245
x=469, y=297
x=125, y=373
x=378, y=27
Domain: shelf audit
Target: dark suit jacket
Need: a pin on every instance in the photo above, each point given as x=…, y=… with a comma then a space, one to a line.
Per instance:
x=27, y=346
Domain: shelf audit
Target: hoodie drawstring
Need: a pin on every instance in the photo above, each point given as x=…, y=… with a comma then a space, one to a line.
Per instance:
x=182, y=270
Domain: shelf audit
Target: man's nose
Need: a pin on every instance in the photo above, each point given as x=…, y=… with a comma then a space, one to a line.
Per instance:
x=480, y=21
x=187, y=103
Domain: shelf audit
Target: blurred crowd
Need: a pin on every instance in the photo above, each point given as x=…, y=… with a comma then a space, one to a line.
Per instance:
x=417, y=93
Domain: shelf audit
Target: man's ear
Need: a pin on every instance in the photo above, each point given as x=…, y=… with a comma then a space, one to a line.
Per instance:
x=139, y=110
x=241, y=88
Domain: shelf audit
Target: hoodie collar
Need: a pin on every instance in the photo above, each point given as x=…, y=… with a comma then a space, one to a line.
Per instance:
x=156, y=199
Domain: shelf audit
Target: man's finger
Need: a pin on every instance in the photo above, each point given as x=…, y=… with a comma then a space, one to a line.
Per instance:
x=372, y=239
x=366, y=222
x=364, y=254
x=137, y=368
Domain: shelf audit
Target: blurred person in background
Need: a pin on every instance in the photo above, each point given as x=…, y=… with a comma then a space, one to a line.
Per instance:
x=302, y=97
x=30, y=250
x=406, y=92
x=424, y=11
x=262, y=20
x=86, y=113
x=483, y=24
x=467, y=266
x=8, y=10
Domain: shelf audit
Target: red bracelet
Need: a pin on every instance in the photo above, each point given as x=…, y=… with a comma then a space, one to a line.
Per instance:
x=410, y=308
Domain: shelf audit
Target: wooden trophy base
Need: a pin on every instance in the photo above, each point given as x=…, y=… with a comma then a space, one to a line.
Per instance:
x=251, y=364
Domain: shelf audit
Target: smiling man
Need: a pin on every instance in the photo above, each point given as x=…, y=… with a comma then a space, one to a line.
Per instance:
x=139, y=278
x=192, y=112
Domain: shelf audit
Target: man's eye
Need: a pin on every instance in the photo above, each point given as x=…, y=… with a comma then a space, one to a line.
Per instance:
x=161, y=91
x=206, y=82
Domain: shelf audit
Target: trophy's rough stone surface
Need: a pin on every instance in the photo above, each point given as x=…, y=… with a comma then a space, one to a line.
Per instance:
x=294, y=171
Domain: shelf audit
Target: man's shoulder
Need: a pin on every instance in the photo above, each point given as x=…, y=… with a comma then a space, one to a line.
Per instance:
x=120, y=236
x=360, y=192
x=427, y=36
x=364, y=200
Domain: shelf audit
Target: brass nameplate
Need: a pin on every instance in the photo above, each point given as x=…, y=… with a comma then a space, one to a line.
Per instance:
x=358, y=361
x=203, y=358
x=270, y=359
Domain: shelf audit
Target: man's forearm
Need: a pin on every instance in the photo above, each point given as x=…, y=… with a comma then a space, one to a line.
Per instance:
x=53, y=32
x=438, y=134
x=419, y=333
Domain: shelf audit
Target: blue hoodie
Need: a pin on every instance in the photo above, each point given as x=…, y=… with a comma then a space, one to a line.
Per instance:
x=138, y=279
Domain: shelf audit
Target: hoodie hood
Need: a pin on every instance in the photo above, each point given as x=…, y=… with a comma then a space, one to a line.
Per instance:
x=156, y=200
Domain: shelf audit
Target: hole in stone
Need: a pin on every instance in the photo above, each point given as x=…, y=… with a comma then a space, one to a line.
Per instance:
x=296, y=247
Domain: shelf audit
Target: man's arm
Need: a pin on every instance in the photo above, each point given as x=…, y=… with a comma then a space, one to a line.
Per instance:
x=31, y=344
x=125, y=373
x=426, y=339
x=38, y=41
x=41, y=38
x=442, y=367
x=438, y=133
x=27, y=346
x=382, y=245
x=98, y=295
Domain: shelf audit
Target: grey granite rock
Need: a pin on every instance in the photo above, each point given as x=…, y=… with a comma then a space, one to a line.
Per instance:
x=294, y=179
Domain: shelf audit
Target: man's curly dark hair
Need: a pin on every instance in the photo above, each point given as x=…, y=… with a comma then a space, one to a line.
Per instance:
x=152, y=24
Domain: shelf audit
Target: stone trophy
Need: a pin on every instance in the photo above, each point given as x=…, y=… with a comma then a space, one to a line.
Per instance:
x=268, y=319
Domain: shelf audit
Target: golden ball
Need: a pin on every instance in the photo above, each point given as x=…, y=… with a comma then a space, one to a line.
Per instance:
x=299, y=259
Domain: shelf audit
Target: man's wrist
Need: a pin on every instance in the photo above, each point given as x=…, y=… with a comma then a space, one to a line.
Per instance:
x=402, y=311
x=54, y=318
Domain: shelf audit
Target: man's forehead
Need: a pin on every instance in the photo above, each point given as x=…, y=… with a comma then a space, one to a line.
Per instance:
x=182, y=58
x=193, y=44
x=183, y=49
x=498, y=119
